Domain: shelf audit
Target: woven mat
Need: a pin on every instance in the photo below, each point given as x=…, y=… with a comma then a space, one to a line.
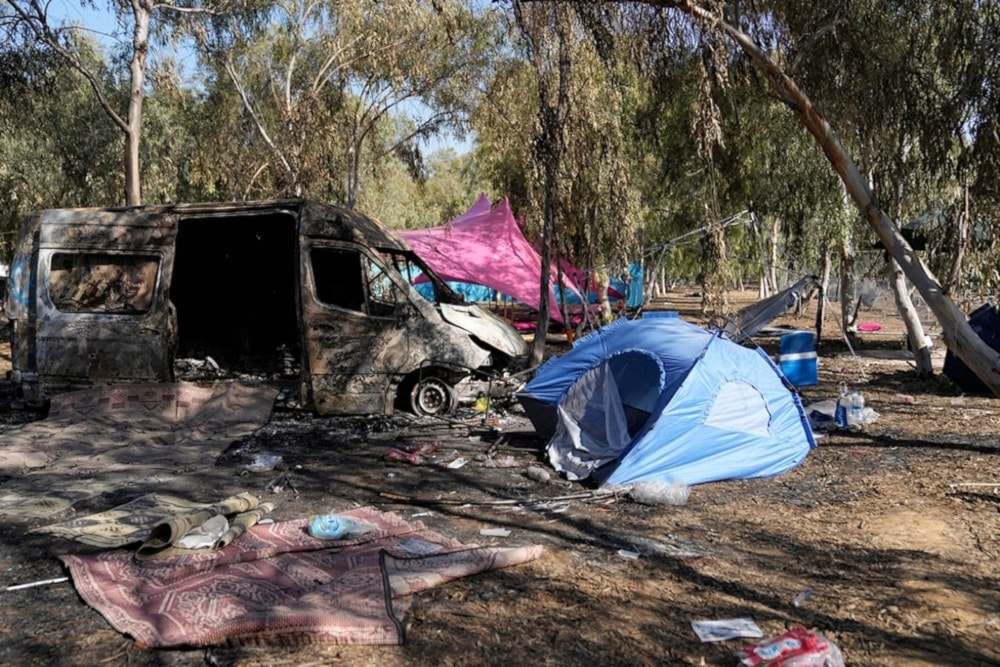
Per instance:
x=108, y=438
x=279, y=585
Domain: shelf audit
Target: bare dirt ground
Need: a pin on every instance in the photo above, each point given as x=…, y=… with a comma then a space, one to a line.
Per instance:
x=893, y=527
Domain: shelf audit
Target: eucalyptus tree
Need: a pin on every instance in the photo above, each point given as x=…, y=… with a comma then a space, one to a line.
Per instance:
x=334, y=89
x=31, y=20
x=48, y=158
x=957, y=334
x=553, y=125
x=911, y=131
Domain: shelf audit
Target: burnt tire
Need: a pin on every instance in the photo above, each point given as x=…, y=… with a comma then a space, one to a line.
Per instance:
x=432, y=396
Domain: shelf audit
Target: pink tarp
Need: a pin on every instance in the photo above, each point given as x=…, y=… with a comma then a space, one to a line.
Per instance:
x=484, y=246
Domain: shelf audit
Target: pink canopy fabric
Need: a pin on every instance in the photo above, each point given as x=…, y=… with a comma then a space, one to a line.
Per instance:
x=484, y=246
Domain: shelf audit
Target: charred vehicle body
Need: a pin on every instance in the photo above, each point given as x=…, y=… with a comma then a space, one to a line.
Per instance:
x=100, y=296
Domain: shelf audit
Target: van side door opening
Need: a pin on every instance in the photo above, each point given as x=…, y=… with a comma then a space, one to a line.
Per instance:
x=235, y=291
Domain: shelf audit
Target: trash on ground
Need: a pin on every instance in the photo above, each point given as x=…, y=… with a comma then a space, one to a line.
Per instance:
x=423, y=447
x=506, y=461
x=660, y=493
x=538, y=474
x=338, y=527
x=802, y=597
x=413, y=458
x=33, y=584
x=796, y=648
x=263, y=463
x=206, y=535
x=726, y=628
x=494, y=532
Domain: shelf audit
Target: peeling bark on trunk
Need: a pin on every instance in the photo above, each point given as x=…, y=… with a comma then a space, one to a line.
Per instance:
x=773, y=264
x=920, y=344
x=133, y=129
x=848, y=288
x=961, y=242
x=824, y=286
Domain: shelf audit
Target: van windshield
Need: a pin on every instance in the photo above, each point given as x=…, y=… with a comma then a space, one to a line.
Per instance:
x=426, y=283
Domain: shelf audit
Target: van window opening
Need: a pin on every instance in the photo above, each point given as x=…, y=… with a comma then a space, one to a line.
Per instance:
x=337, y=277
x=427, y=285
x=102, y=283
x=235, y=291
x=348, y=279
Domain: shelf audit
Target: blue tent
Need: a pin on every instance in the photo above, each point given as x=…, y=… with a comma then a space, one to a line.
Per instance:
x=659, y=399
x=985, y=321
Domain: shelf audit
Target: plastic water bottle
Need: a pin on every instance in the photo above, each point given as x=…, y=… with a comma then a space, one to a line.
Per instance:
x=338, y=527
x=843, y=405
x=856, y=414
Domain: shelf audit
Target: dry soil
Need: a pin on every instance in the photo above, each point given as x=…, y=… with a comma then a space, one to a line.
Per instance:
x=892, y=527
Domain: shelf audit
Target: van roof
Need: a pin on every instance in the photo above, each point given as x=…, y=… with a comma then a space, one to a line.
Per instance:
x=315, y=219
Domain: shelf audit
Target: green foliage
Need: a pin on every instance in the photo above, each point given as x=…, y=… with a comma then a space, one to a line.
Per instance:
x=50, y=156
x=662, y=131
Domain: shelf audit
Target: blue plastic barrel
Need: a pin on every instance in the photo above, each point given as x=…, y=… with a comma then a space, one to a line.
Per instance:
x=797, y=358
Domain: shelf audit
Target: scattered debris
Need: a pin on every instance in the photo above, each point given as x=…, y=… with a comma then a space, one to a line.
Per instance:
x=796, y=648
x=723, y=629
x=413, y=458
x=802, y=597
x=538, y=474
x=494, y=532
x=660, y=493
x=263, y=463
x=33, y=584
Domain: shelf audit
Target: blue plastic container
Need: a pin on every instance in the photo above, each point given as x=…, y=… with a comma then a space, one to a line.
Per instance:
x=797, y=358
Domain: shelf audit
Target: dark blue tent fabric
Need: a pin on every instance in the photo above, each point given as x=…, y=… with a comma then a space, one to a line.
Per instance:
x=985, y=321
x=687, y=405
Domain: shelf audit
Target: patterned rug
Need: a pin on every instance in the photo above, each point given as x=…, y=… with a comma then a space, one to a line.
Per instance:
x=108, y=438
x=279, y=585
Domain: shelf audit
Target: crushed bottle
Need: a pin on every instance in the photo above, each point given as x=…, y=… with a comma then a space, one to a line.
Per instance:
x=338, y=527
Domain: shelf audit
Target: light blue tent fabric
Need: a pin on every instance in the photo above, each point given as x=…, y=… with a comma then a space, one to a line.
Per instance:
x=470, y=291
x=659, y=399
x=635, y=295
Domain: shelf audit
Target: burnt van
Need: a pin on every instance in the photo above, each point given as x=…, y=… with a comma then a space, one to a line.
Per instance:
x=318, y=295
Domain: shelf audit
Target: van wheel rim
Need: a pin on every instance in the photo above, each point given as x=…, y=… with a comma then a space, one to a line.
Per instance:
x=432, y=396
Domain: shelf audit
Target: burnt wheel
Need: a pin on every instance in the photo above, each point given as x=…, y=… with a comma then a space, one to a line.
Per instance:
x=432, y=396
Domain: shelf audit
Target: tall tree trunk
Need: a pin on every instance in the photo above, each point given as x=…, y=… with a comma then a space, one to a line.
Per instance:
x=140, y=50
x=773, y=260
x=824, y=288
x=549, y=153
x=961, y=242
x=920, y=344
x=848, y=286
x=713, y=282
